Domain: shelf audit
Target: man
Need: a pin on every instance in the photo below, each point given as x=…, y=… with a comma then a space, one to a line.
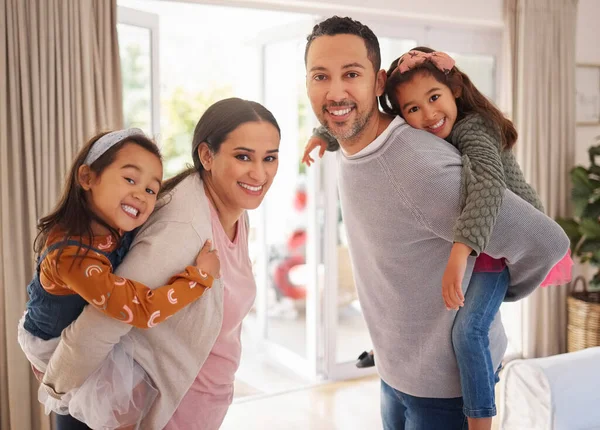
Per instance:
x=400, y=197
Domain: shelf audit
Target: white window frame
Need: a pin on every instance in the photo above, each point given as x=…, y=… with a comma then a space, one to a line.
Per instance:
x=149, y=21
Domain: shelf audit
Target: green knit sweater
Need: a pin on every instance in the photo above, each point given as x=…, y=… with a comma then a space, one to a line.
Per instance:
x=487, y=171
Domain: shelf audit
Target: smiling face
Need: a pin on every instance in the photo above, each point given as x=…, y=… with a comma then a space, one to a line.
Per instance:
x=124, y=194
x=243, y=169
x=342, y=85
x=427, y=104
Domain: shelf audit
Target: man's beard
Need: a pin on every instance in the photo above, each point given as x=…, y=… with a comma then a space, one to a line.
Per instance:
x=355, y=129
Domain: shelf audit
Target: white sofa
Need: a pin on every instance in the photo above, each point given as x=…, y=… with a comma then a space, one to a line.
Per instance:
x=560, y=392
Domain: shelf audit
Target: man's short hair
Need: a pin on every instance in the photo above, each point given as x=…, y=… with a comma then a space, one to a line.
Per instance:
x=338, y=25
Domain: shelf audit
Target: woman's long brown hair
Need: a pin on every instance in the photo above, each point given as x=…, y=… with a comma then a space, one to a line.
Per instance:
x=468, y=102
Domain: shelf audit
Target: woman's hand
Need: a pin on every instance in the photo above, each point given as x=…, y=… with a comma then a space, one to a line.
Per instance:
x=313, y=142
x=208, y=260
x=453, y=276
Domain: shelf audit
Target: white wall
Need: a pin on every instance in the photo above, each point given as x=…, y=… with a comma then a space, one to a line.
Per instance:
x=457, y=10
x=588, y=51
x=476, y=12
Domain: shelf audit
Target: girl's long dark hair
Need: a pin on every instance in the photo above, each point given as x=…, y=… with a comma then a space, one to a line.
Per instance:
x=72, y=214
x=214, y=126
x=470, y=100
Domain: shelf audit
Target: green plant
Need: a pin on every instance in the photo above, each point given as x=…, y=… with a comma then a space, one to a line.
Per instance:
x=181, y=111
x=584, y=228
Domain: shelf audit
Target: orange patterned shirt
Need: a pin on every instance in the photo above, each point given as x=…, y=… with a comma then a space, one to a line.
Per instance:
x=91, y=276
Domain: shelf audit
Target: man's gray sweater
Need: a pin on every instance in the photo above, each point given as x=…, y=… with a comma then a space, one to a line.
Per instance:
x=400, y=199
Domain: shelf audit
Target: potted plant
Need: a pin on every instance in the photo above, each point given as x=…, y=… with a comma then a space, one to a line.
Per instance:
x=583, y=229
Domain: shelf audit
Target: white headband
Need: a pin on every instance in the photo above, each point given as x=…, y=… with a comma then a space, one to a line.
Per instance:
x=108, y=141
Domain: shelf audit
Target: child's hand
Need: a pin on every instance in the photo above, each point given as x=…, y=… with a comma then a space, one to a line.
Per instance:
x=38, y=375
x=453, y=276
x=208, y=260
x=313, y=142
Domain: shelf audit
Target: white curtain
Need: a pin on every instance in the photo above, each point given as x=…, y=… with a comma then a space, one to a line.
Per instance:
x=540, y=44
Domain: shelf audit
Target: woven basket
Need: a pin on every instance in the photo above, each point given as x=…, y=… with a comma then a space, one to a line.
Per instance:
x=583, y=317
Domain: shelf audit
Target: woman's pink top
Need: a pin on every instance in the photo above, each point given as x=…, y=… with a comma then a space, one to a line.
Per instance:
x=205, y=404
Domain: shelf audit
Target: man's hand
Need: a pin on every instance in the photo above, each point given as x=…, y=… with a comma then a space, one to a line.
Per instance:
x=453, y=276
x=313, y=142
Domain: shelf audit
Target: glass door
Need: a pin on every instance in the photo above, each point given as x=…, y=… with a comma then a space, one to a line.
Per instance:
x=288, y=233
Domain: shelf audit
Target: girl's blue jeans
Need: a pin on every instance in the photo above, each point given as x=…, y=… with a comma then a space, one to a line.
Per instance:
x=470, y=338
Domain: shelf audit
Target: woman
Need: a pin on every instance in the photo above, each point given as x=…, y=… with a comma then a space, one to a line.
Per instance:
x=192, y=357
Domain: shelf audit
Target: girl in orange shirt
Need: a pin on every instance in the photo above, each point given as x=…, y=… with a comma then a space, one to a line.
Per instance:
x=111, y=190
